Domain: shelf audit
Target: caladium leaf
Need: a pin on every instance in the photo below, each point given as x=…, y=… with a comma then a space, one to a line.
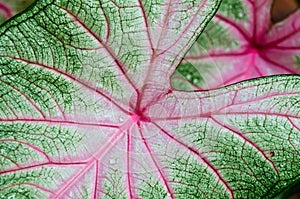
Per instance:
x=87, y=109
x=241, y=42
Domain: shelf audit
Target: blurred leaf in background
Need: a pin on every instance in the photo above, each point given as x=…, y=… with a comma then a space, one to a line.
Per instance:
x=9, y=8
x=224, y=47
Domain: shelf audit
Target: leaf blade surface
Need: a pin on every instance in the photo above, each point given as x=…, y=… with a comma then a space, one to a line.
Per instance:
x=87, y=109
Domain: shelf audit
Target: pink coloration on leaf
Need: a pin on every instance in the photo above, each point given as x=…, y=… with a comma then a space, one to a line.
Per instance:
x=9, y=8
x=245, y=44
x=87, y=109
x=6, y=10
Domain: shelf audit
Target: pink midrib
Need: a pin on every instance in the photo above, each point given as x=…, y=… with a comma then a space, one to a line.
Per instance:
x=98, y=155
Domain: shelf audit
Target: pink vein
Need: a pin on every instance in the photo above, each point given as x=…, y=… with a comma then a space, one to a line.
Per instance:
x=165, y=20
x=128, y=151
x=107, y=22
x=64, y=42
x=257, y=113
x=9, y=107
x=29, y=145
x=186, y=28
x=234, y=25
x=60, y=122
x=28, y=184
x=261, y=98
x=107, y=48
x=223, y=54
x=293, y=124
x=278, y=64
x=61, y=164
x=282, y=39
x=254, y=18
x=232, y=105
x=27, y=98
x=156, y=164
x=247, y=140
x=251, y=64
x=49, y=93
x=73, y=78
x=202, y=158
x=286, y=47
x=97, y=156
x=207, y=115
x=9, y=159
x=7, y=11
x=147, y=24
x=96, y=179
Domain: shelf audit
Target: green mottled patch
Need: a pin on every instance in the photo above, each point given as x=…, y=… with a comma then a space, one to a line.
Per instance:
x=53, y=140
x=47, y=90
x=279, y=130
x=109, y=80
x=297, y=61
x=194, y=129
x=152, y=189
x=189, y=71
x=114, y=186
x=20, y=184
x=22, y=192
x=190, y=179
x=64, y=45
x=17, y=185
x=223, y=147
x=216, y=36
x=235, y=9
x=132, y=59
x=197, y=74
x=153, y=10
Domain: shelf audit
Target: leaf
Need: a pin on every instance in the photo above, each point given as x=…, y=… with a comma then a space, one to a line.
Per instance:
x=240, y=43
x=8, y=8
x=87, y=109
